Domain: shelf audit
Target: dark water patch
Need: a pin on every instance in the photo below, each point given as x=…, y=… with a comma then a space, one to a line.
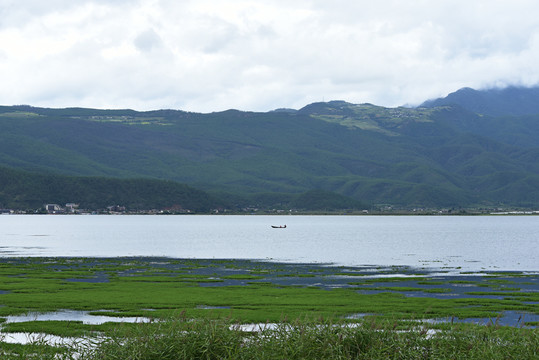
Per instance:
x=210, y=307
x=505, y=318
x=94, y=280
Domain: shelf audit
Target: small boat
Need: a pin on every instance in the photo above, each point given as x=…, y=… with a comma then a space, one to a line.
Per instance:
x=278, y=226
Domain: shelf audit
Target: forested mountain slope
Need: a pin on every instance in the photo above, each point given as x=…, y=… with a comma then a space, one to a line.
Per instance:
x=29, y=191
x=510, y=100
x=427, y=156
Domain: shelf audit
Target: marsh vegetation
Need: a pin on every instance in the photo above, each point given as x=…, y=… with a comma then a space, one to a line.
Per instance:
x=336, y=311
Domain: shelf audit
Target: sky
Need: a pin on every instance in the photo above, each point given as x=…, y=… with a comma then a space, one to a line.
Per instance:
x=259, y=55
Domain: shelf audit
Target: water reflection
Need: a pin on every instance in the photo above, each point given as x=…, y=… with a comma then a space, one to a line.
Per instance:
x=62, y=315
x=73, y=315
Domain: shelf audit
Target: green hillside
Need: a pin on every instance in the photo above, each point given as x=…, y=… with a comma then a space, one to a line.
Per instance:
x=24, y=190
x=444, y=156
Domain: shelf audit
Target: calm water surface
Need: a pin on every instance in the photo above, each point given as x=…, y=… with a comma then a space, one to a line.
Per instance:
x=469, y=242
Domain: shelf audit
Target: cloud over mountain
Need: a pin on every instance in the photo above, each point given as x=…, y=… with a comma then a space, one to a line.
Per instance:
x=209, y=55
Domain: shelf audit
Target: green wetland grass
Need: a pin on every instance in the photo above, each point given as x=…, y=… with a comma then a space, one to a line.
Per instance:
x=184, y=338
x=214, y=295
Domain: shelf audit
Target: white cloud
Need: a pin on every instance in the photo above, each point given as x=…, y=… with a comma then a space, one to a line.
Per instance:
x=148, y=41
x=210, y=55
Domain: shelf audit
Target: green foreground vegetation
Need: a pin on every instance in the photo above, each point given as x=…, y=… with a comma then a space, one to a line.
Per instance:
x=181, y=338
x=189, y=309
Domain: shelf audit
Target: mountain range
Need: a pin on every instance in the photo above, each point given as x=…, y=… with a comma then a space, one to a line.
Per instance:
x=470, y=149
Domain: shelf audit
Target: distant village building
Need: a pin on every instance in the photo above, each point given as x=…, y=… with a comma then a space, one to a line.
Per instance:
x=71, y=207
x=116, y=208
x=53, y=208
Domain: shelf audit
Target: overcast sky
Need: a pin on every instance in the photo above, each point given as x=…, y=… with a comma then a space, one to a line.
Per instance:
x=258, y=55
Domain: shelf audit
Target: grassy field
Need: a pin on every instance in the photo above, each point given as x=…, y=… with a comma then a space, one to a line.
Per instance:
x=172, y=294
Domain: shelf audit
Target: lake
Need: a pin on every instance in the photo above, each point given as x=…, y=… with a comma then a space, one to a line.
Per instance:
x=466, y=243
